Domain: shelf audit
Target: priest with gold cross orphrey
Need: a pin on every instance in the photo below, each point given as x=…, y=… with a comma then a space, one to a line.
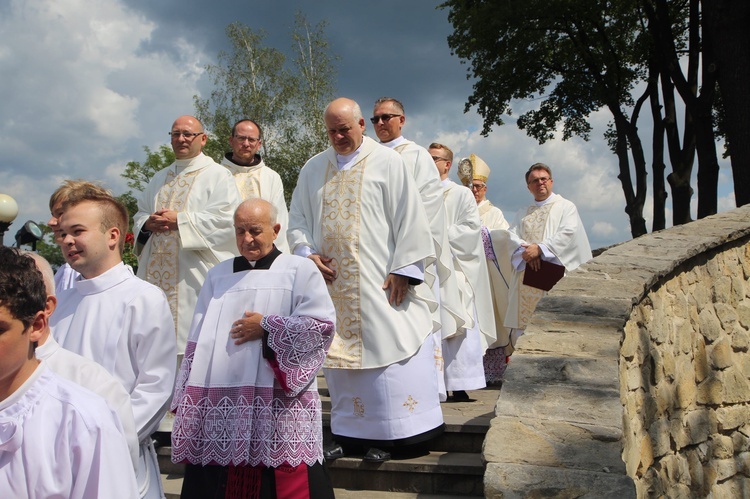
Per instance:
x=248, y=414
x=357, y=214
x=549, y=231
x=254, y=178
x=388, y=119
x=474, y=174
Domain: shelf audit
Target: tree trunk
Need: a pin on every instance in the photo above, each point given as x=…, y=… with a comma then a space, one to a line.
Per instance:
x=633, y=203
x=657, y=147
x=726, y=22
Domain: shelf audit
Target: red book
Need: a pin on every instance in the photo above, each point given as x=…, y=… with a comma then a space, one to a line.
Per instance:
x=544, y=278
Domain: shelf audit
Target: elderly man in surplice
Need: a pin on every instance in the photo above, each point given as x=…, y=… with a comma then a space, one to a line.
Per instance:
x=248, y=414
x=357, y=214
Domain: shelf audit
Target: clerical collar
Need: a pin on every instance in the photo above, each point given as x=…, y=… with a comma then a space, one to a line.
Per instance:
x=548, y=200
x=254, y=162
x=345, y=162
x=395, y=142
x=188, y=161
x=241, y=263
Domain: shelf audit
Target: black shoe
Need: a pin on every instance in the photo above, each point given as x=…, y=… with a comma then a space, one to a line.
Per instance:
x=375, y=455
x=460, y=396
x=333, y=452
x=161, y=439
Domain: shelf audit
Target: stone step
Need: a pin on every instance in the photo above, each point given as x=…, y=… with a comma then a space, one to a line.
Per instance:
x=173, y=484
x=455, y=473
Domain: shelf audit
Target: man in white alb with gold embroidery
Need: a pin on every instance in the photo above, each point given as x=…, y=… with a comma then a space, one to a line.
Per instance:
x=184, y=223
x=388, y=119
x=550, y=230
x=474, y=174
x=357, y=214
x=255, y=179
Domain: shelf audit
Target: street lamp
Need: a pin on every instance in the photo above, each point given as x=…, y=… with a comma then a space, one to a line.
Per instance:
x=8, y=213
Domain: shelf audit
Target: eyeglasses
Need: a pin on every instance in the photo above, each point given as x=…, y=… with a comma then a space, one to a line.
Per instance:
x=476, y=187
x=540, y=180
x=385, y=117
x=187, y=135
x=438, y=158
x=243, y=138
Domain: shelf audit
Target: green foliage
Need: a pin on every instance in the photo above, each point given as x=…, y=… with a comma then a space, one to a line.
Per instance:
x=138, y=174
x=255, y=82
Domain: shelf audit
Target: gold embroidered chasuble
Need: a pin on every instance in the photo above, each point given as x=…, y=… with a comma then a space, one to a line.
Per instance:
x=204, y=195
x=557, y=225
x=370, y=220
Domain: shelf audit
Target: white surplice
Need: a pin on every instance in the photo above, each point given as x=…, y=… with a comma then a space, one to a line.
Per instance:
x=463, y=352
x=235, y=405
x=555, y=225
x=260, y=181
x=123, y=323
x=65, y=277
x=92, y=376
x=60, y=440
x=370, y=219
x=205, y=196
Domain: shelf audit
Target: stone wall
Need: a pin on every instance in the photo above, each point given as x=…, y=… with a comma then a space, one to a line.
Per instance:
x=684, y=372
x=632, y=377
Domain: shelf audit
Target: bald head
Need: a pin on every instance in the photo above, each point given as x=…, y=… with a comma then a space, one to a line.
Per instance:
x=188, y=138
x=49, y=287
x=255, y=228
x=345, y=125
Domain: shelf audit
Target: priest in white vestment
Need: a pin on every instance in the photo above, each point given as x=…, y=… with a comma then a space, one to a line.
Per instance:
x=184, y=223
x=248, y=413
x=474, y=174
x=57, y=439
x=118, y=320
x=388, y=120
x=463, y=351
x=255, y=179
x=551, y=230
x=357, y=214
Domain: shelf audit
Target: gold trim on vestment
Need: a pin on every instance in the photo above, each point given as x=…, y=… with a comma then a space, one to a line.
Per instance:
x=532, y=231
x=248, y=184
x=163, y=268
x=342, y=196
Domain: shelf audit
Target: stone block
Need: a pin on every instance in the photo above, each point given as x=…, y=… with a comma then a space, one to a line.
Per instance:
x=710, y=391
x=743, y=313
x=570, y=369
x=738, y=288
x=574, y=404
x=736, y=388
x=664, y=364
x=740, y=339
x=664, y=397
x=690, y=428
x=722, y=469
x=722, y=446
x=731, y=417
x=742, y=461
x=635, y=342
x=727, y=315
x=722, y=288
x=740, y=442
x=710, y=326
x=517, y=481
x=700, y=359
x=683, y=334
x=553, y=443
x=566, y=338
x=660, y=437
x=696, y=470
x=686, y=391
x=721, y=354
x=677, y=468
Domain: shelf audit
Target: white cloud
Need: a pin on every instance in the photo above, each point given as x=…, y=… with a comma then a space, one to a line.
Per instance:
x=83, y=96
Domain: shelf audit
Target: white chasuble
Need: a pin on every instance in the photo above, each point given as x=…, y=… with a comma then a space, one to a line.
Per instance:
x=452, y=315
x=557, y=225
x=205, y=196
x=371, y=221
x=261, y=181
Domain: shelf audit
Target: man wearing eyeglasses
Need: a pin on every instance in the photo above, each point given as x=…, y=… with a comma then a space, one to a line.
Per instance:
x=498, y=263
x=549, y=230
x=255, y=179
x=184, y=224
x=388, y=119
x=464, y=350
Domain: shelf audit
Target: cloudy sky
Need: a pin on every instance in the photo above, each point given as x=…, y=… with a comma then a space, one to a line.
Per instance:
x=87, y=84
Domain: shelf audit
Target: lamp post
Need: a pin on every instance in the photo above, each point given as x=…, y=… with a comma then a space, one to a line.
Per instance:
x=8, y=213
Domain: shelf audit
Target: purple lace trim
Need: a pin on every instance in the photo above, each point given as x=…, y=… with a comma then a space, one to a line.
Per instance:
x=494, y=364
x=247, y=426
x=489, y=251
x=300, y=345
